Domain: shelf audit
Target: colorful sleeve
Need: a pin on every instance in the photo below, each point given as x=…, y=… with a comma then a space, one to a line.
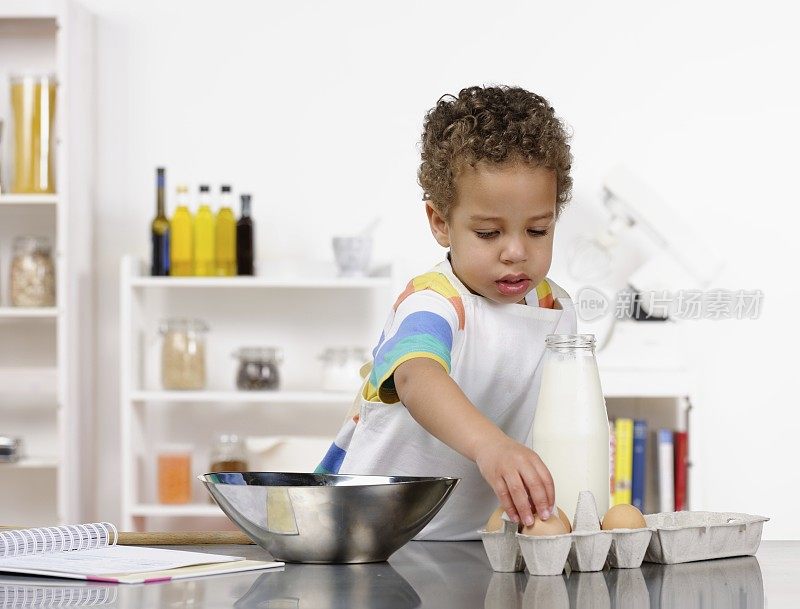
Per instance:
x=426, y=318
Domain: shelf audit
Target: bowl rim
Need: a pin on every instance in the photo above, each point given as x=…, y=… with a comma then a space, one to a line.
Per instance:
x=369, y=480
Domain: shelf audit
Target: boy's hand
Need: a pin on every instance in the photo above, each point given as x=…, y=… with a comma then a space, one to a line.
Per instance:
x=519, y=478
x=516, y=474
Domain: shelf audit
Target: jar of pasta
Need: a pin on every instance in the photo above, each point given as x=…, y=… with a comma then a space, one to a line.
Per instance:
x=33, y=282
x=183, y=354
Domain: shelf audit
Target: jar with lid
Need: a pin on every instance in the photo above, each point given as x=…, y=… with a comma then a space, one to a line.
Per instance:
x=33, y=275
x=228, y=454
x=33, y=104
x=341, y=369
x=183, y=354
x=258, y=368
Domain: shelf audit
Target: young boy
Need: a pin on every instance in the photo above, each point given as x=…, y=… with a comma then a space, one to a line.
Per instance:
x=455, y=375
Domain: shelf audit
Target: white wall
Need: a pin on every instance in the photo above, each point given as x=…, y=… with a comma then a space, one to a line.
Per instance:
x=316, y=107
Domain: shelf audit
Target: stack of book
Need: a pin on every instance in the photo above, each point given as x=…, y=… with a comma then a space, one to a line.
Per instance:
x=629, y=471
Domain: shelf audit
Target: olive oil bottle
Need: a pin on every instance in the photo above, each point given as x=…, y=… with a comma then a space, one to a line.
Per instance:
x=159, y=231
x=181, y=237
x=204, y=236
x=225, y=238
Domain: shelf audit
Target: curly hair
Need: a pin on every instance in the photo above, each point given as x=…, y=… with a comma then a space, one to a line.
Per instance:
x=496, y=124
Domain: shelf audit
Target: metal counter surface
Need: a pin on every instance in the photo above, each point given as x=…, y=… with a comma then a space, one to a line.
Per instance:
x=444, y=575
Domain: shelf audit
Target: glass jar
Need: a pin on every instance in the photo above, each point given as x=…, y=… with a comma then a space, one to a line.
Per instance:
x=33, y=277
x=228, y=454
x=33, y=105
x=174, y=473
x=341, y=369
x=183, y=354
x=258, y=368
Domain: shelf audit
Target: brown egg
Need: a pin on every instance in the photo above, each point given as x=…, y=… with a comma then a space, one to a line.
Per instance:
x=565, y=520
x=552, y=526
x=623, y=516
x=495, y=522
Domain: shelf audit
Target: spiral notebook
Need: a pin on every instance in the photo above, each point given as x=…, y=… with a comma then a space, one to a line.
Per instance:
x=90, y=552
x=32, y=592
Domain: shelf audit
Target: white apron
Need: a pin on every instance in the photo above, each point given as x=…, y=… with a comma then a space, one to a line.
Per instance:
x=496, y=362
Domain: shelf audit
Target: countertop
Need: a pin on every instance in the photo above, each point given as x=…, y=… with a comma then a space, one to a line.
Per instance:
x=451, y=574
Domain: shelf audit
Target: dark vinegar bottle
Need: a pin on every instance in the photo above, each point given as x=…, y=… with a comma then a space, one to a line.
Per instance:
x=159, y=231
x=245, y=244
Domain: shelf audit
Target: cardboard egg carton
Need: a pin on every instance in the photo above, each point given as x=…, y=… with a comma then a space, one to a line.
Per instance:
x=628, y=547
x=681, y=537
x=509, y=550
x=502, y=548
x=545, y=554
x=590, y=545
x=586, y=549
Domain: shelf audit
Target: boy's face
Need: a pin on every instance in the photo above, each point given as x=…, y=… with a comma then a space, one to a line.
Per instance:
x=500, y=229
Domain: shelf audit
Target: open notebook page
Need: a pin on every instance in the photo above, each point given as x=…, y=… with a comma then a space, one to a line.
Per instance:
x=112, y=560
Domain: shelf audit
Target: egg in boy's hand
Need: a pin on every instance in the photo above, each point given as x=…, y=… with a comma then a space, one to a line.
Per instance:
x=518, y=477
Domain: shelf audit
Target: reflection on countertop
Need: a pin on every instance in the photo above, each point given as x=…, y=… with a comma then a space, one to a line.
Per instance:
x=731, y=582
x=442, y=575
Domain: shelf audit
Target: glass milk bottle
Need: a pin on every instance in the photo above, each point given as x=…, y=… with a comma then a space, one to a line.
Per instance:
x=570, y=428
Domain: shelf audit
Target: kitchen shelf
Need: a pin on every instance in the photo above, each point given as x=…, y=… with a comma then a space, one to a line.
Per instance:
x=260, y=282
x=47, y=392
x=302, y=306
x=298, y=275
x=26, y=9
x=9, y=200
x=250, y=397
x=183, y=510
x=31, y=380
x=32, y=463
x=28, y=312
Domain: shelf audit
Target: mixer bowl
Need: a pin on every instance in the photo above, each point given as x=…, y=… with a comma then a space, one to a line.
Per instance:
x=325, y=518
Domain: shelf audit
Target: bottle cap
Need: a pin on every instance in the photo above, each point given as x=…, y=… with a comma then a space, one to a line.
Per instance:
x=204, y=188
x=225, y=188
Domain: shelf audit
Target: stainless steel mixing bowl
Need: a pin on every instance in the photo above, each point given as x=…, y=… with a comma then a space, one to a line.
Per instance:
x=322, y=518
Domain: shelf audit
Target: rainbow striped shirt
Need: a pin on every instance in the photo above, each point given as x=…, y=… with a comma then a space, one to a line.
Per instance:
x=423, y=323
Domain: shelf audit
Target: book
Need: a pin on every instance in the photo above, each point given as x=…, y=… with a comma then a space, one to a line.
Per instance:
x=624, y=466
x=612, y=462
x=666, y=468
x=639, y=464
x=90, y=552
x=680, y=446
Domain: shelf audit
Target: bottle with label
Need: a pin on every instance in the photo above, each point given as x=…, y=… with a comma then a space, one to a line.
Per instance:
x=204, y=236
x=245, y=240
x=570, y=429
x=225, y=239
x=159, y=231
x=180, y=231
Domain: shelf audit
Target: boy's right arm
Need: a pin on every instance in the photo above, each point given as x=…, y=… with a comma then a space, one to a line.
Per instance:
x=515, y=473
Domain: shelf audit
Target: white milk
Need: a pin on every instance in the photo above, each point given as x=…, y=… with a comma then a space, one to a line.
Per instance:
x=570, y=428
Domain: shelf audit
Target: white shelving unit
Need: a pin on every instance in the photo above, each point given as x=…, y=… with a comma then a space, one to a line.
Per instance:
x=45, y=389
x=289, y=309
x=644, y=376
